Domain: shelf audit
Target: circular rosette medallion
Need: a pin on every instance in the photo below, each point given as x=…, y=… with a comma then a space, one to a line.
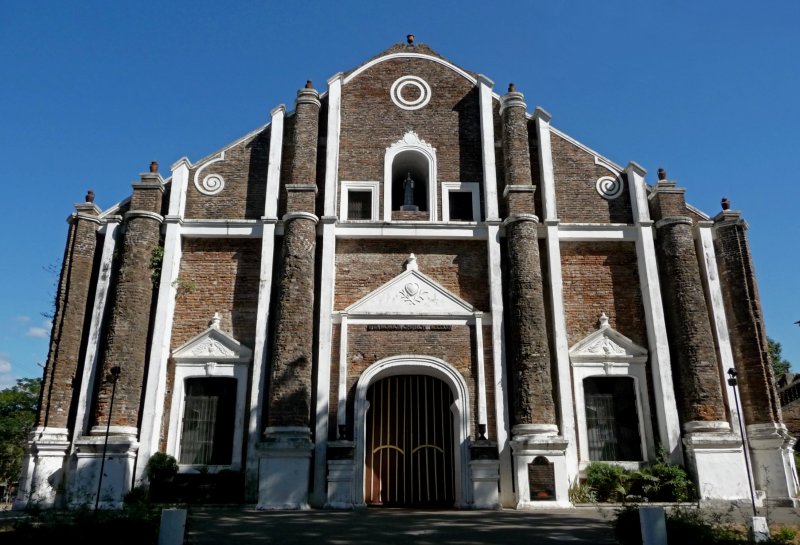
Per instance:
x=410, y=92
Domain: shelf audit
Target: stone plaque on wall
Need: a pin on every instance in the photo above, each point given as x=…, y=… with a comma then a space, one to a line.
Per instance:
x=541, y=479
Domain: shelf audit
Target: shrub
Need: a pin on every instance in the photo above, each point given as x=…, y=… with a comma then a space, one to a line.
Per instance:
x=161, y=467
x=609, y=481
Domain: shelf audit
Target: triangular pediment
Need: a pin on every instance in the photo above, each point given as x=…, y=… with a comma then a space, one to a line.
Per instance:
x=212, y=344
x=606, y=344
x=411, y=293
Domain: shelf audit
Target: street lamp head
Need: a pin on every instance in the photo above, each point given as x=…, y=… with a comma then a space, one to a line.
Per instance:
x=732, y=372
x=115, y=371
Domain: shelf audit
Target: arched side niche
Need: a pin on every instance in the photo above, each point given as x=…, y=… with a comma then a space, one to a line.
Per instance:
x=416, y=365
x=410, y=155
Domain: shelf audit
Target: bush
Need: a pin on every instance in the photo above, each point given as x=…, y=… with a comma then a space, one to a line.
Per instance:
x=161, y=467
x=609, y=481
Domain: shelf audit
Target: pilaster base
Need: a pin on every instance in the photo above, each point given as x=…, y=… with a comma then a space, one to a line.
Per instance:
x=485, y=475
x=284, y=468
x=771, y=448
x=540, y=467
x=117, y=476
x=340, y=475
x=717, y=461
x=43, y=469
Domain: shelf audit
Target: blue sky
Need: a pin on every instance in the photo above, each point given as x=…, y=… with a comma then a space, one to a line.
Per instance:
x=93, y=91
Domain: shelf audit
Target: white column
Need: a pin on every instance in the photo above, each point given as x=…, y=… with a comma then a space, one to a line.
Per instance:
x=487, y=148
x=326, y=289
x=501, y=399
x=660, y=365
x=561, y=348
x=156, y=382
x=341, y=406
x=95, y=328
x=481, y=372
x=257, y=387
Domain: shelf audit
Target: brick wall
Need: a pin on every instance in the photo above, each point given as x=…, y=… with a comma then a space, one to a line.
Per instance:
x=245, y=172
x=225, y=275
x=364, y=265
x=371, y=122
x=602, y=277
x=577, y=199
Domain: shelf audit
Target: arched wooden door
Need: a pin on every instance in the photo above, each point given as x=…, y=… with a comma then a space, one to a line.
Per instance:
x=409, y=443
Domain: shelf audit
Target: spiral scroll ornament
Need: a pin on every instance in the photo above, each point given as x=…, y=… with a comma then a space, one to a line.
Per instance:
x=609, y=188
x=211, y=184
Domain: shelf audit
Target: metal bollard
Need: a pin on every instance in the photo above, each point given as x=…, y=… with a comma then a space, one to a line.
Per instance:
x=173, y=525
x=654, y=525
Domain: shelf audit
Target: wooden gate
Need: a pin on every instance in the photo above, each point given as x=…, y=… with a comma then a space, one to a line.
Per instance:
x=409, y=443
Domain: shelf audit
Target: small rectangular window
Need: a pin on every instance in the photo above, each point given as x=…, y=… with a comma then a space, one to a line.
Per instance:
x=461, y=206
x=359, y=204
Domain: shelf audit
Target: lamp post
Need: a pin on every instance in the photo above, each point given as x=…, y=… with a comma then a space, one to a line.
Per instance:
x=733, y=382
x=114, y=375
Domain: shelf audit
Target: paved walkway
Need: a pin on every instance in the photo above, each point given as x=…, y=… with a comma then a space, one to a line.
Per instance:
x=247, y=526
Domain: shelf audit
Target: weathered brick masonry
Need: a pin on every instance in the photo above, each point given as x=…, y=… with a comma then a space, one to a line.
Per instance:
x=74, y=291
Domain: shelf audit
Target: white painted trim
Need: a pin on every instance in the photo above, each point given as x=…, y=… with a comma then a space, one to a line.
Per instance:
x=155, y=385
x=417, y=365
x=184, y=371
x=660, y=363
x=416, y=230
x=482, y=418
x=222, y=229
x=599, y=231
x=716, y=306
x=200, y=186
x=341, y=407
x=410, y=142
x=347, y=186
x=501, y=397
x=487, y=150
x=274, y=165
x=638, y=193
x=546, y=172
x=259, y=373
x=92, y=348
x=461, y=187
x=561, y=350
x=324, y=359
x=411, y=319
x=396, y=92
x=332, y=143
x=392, y=56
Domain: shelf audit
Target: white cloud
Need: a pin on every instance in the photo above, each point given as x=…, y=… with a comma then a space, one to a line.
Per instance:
x=38, y=332
x=22, y=319
x=6, y=378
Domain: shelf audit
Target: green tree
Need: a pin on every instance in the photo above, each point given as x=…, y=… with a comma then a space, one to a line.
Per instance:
x=18, y=406
x=779, y=364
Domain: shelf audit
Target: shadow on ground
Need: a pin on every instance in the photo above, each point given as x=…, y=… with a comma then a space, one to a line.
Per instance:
x=210, y=525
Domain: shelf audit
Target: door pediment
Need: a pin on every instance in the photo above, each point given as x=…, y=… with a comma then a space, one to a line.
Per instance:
x=411, y=293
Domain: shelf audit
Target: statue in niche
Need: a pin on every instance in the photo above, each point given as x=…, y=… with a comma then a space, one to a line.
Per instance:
x=408, y=195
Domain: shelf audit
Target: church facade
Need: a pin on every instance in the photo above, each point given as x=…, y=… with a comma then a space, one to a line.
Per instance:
x=408, y=290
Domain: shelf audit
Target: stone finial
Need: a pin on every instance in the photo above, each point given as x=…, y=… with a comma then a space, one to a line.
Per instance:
x=410, y=39
x=309, y=85
x=153, y=166
x=726, y=204
x=216, y=320
x=512, y=88
x=662, y=174
x=411, y=263
x=90, y=196
x=603, y=320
